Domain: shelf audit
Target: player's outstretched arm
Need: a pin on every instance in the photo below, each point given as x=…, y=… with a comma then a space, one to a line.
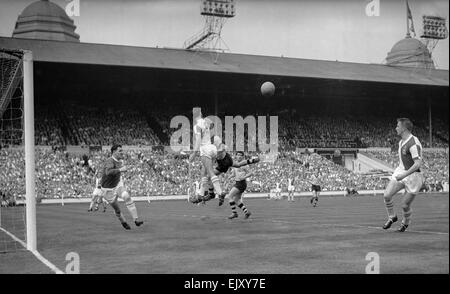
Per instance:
x=252, y=160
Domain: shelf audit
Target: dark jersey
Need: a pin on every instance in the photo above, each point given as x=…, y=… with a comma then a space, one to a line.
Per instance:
x=110, y=174
x=408, y=151
x=224, y=164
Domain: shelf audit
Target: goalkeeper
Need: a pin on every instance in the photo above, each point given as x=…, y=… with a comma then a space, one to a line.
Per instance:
x=223, y=163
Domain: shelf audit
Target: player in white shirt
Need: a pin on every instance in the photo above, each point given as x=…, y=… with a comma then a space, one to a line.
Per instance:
x=406, y=176
x=291, y=190
x=278, y=191
x=97, y=195
x=208, y=153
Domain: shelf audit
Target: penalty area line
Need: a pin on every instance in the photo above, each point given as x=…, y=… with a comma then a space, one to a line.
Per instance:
x=360, y=226
x=35, y=253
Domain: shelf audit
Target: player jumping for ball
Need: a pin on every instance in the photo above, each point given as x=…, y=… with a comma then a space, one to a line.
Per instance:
x=208, y=153
x=113, y=187
x=240, y=174
x=406, y=176
x=224, y=162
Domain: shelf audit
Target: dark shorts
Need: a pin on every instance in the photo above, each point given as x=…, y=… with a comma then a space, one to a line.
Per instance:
x=316, y=188
x=224, y=164
x=241, y=186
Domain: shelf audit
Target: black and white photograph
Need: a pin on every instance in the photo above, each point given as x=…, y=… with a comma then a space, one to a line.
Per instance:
x=213, y=139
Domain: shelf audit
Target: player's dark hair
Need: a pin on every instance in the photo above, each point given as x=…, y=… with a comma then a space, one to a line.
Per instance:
x=406, y=122
x=240, y=152
x=115, y=147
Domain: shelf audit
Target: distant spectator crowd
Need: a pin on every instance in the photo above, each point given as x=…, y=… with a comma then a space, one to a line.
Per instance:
x=59, y=174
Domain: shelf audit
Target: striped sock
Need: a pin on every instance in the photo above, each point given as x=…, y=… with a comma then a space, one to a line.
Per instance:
x=216, y=183
x=243, y=207
x=233, y=207
x=390, y=207
x=407, y=216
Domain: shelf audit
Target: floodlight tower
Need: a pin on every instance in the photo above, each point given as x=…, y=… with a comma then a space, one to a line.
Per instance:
x=434, y=29
x=215, y=12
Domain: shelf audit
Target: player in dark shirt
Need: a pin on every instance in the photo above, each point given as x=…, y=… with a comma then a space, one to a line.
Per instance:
x=113, y=187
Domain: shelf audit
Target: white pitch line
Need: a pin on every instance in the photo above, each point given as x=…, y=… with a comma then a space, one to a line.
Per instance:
x=35, y=253
x=359, y=226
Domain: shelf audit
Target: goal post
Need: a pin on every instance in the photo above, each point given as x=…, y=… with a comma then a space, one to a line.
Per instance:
x=17, y=151
x=30, y=191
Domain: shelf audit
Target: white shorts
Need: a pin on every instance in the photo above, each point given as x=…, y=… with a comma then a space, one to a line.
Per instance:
x=111, y=194
x=209, y=151
x=412, y=183
x=291, y=188
x=97, y=192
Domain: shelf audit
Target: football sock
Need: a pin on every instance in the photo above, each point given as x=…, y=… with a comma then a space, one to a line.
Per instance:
x=407, y=216
x=132, y=209
x=390, y=208
x=216, y=183
x=233, y=207
x=243, y=207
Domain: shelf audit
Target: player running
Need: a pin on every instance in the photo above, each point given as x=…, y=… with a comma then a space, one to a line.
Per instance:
x=240, y=174
x=315, y=187
x=291, y=189
x=406, y=176
x=113, y=187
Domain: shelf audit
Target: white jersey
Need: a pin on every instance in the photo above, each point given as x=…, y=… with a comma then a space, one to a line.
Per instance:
x=197, y=187
x=202, y=131
x=278, y=187
x=290, y=185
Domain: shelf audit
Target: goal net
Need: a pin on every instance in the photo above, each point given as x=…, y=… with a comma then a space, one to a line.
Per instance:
x=17, y=195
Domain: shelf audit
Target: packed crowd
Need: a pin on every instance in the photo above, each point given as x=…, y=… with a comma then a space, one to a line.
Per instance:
x=107, y=125
x=59, y=174
x=47, y=129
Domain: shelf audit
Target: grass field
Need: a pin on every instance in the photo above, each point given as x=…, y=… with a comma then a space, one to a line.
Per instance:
x=280, y=237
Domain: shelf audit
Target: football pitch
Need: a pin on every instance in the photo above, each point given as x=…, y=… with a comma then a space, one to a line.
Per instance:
x=279, y=238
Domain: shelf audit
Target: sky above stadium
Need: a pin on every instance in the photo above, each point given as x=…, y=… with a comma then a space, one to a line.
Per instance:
x=322, y=29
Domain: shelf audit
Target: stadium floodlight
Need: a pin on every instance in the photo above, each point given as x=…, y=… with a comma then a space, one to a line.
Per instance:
x=17, y=140
x=434, y=27
x=434, y=30
x=215, y=13
x=219, y=8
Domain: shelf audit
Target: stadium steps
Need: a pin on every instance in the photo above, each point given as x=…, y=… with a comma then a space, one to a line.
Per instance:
x=155, y=126
x=372, y=162
x=64, y=124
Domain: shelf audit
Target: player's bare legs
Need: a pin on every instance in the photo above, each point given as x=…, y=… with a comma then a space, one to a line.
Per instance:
x=209, y=171
x=315, y=198
x=233, y=196
x=392, y=188
x=131, y=206
x=115, y=206
x=407, y=211
x=93, y=201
